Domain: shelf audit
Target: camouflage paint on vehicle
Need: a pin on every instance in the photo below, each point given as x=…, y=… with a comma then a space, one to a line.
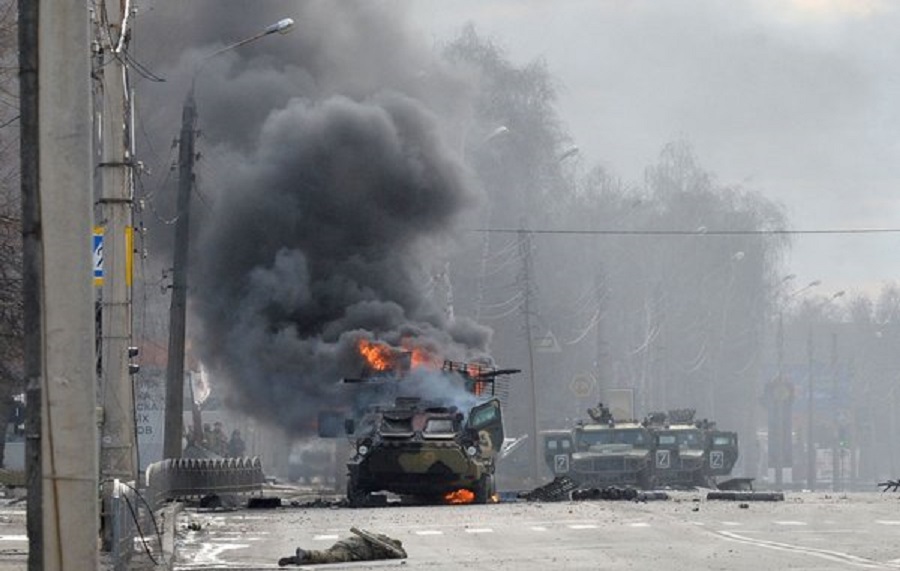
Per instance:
x=421, y=449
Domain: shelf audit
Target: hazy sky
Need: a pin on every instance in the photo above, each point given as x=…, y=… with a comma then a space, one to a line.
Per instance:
x=796, y=99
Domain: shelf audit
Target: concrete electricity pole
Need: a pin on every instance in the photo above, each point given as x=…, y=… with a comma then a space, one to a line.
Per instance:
x=118, y=450
x=57, y=187
x=177, y=310
x=527, y=293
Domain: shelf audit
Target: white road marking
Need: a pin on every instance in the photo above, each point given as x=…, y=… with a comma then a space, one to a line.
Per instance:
x=13, y=538
x=823, y=553
x=429, y=532
x=731, y=523
x=538, y=528
x=639, y=524
x=325, y=537
x=479, y=530
x=208, y=553
x=789, y=523
x=887, y=522
x=697, y=523
x=583, y=526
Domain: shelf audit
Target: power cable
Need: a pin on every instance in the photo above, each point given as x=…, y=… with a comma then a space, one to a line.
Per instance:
x=699, y=232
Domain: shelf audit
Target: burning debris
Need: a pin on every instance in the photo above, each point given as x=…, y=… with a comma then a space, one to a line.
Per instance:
x=461, y=496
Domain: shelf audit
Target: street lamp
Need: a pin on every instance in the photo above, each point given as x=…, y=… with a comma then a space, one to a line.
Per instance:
x=175, y=366
x=780, y=420
x=810, y=406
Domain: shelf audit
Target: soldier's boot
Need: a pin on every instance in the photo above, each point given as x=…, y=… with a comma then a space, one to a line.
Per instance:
x=298, y=558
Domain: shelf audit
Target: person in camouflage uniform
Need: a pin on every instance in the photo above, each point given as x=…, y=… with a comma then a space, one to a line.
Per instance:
x=363, y=546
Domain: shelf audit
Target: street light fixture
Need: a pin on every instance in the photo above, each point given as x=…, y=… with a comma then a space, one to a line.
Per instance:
x=175, y=366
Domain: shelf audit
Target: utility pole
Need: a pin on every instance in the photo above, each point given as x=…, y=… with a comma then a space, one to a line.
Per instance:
x=528, y=292
x=601, y=367
x=778, y=439
x=54, y=48
x=835, y=406
x=174, y=414
x=810, y=415
x=118, y=450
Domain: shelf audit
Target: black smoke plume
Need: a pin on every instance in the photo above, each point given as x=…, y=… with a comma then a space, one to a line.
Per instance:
x=338, y=196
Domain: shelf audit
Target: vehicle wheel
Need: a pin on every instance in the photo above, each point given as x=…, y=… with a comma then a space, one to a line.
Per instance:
x=647, y=482
x=484, y=490
x=355, y=496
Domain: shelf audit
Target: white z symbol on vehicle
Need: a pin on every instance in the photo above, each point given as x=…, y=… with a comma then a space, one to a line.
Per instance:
x=663, y=459
x=561, y=461
x=717, y=459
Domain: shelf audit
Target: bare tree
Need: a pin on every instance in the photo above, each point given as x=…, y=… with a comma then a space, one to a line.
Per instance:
x=11, y=309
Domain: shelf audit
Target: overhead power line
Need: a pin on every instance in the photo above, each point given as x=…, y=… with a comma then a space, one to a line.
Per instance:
x=699, y=232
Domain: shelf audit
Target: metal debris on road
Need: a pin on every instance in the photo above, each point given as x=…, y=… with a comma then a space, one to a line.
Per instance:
x=747, y=496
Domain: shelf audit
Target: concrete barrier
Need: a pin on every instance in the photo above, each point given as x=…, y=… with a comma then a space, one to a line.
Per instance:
x=184, y=478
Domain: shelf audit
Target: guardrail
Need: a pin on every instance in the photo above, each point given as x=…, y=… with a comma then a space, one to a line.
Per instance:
x=184, y=478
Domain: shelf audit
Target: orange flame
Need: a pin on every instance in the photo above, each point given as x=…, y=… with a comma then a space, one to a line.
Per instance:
x=420, y=356
x=423, y=358
x=495, y=499
x=378, y=355
x=461, y=496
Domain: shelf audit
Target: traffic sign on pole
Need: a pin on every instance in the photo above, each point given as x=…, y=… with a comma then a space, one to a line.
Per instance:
x=98, y=255
x=582, y=385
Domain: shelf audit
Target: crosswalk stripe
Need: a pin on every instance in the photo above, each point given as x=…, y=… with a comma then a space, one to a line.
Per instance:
x=479, y=530
x=538, y=528
x=583, y=526
x=790, y=523
x=429, y=532
x=324, y=537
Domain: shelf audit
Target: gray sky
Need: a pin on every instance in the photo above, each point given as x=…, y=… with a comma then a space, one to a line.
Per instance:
x=796, y=99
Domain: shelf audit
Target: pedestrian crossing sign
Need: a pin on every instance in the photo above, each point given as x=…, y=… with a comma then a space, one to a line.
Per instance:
x=98, y=255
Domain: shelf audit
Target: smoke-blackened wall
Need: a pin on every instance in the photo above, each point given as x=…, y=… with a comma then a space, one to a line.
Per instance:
x=334, y=193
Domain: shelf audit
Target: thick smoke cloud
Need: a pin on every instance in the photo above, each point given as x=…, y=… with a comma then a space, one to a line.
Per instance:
x=335, y=195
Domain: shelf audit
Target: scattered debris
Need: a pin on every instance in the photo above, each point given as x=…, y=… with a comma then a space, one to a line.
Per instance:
x=264, y=503
x=218, y=502
x=744, y=506
x=556, y=491
x=319, y=503
x=890, y=485
x=194, y=526
x=747, y=496
x=651, y=496
x=563, y=488
x=736, y=485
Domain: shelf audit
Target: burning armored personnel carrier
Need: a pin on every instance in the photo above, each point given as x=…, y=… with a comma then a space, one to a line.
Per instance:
x=424, y=443
x=423, y=450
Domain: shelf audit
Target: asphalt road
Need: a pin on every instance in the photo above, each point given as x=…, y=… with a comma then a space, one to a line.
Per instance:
x=808, y=531
x=13, y=541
